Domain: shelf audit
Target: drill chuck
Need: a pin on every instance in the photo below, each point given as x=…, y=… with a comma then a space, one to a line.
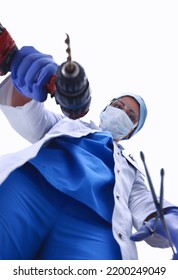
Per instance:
x=72, y=90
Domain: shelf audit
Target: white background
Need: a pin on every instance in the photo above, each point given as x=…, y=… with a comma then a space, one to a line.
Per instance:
x=124, y=46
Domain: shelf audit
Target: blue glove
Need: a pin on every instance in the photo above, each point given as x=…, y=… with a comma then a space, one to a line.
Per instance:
x=171, y=218
x=31, y=71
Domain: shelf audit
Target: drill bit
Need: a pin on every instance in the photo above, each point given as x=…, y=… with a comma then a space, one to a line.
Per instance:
x=70, y=67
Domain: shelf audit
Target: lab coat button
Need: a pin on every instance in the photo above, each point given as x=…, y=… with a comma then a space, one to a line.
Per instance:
x=120, y=235
x=117, y=196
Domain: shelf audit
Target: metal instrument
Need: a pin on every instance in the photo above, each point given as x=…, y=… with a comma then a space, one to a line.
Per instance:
x=158, y=204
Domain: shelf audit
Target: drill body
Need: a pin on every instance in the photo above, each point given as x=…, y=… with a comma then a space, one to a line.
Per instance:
x=8, y=49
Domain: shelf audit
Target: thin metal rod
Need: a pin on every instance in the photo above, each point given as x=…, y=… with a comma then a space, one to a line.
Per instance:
x=70, y=67
x=158, y=205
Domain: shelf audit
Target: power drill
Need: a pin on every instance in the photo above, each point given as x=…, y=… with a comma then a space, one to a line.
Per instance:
x=69, y=85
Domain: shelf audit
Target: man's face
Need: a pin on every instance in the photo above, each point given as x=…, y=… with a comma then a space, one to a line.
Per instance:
x=130, y=106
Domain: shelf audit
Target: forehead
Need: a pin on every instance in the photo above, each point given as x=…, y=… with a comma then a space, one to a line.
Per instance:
x=131, y=103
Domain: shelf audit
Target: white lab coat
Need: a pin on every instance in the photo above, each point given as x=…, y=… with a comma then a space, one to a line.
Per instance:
x=133, y=202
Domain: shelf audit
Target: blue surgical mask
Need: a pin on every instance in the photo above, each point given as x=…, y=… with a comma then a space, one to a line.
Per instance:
x=117, y=122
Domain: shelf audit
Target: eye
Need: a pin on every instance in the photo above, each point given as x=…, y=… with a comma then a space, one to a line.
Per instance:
x=133, y=118
x=118, y=105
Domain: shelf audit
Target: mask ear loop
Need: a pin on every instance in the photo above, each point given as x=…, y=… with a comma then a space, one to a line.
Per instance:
x=135, y=125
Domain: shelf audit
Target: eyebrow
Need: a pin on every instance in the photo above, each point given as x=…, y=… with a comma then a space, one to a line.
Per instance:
x=130, y=109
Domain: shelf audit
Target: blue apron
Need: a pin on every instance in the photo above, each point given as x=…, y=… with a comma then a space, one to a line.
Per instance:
x=63, y=202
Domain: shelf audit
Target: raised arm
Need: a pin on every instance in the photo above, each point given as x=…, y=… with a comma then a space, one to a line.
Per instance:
x=18, y=99
x=22, y=94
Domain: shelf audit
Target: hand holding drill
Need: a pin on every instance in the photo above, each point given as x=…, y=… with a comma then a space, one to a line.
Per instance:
x=35, y=74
